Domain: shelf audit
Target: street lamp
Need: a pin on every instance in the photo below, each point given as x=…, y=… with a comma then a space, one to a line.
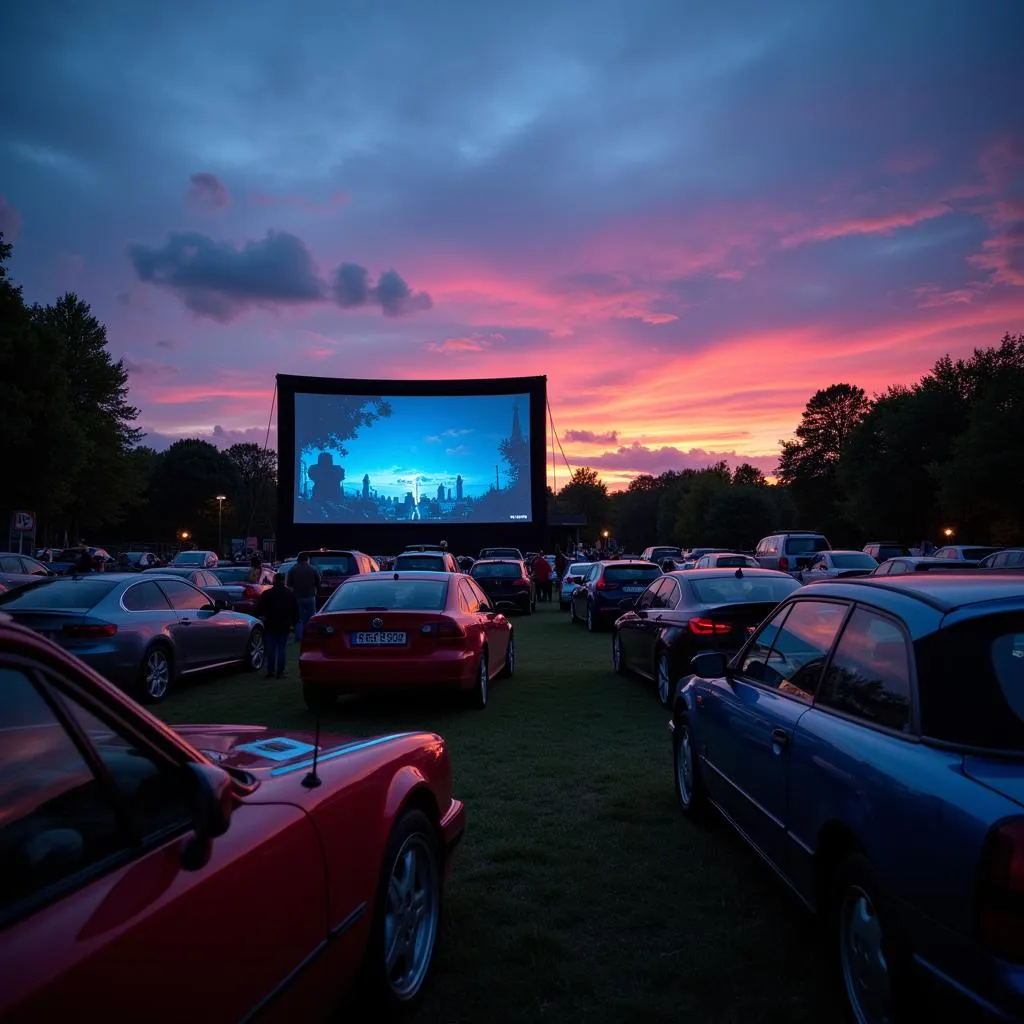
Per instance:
x=948, y=531
x=220, y=499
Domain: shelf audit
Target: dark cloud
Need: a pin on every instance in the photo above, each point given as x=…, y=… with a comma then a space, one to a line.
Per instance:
x=637, y=458
x=218, y=280
x=146, y=368
x=589, y=437
x=351, y=288
x=222, y=437
x=208, y=192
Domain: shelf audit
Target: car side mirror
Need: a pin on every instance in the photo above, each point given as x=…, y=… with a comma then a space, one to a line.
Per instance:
x=220, y=605
x=213, y=800
x=710, y=665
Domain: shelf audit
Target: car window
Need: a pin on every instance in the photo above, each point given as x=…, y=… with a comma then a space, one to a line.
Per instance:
x=145, y=597
x=183, y=596
x=800, y=647
x=470, y=597
x=389, y=595
x=805, y=545
x=669, y=593
x=755, y=660
x=58, y=819
x=79, y=594
x=480, y=595
x=1008, y=662
x=10, y=564
x=497, y=570
x=649, y=598
x=869, y=675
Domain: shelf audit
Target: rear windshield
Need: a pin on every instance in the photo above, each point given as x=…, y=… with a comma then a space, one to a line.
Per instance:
x=578, y=568
x=805, y=545
x=334, y=565
x=231, y=575
x=389, y=595
x=971, y=682
x=744, y=590
x=500, y=570
x=429, y=563
x=853, y=561
x=891, y=551
x=63, y=595
x=631, y=573
x=659, y=553
x=501, y=553
x=735, y=562
x=189, y=558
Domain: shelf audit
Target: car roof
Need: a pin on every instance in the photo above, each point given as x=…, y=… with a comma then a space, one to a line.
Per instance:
x=328, y=551
x=843, y=551
x=497, y=561
x=942, y=591
x=627, y=561
x=725, y=572
x=408, y=574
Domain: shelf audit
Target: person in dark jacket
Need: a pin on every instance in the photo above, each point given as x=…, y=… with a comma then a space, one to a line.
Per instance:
x=304, y=579
x=279, y=610
x=84, y=562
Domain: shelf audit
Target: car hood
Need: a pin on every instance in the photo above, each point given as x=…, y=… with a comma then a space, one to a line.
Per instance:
x=1004, y=776
x=258, y=749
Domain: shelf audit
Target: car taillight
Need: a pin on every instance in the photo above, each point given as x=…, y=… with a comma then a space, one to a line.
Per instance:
x=522, y=584
x=783, y=562
x=251, y=592
x=90, y=632
x=443, y=629
x=706, y=627
x=603, y=584
x=1000, y=891
x=317, y=632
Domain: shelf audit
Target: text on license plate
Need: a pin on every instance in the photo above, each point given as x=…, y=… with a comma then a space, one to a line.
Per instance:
x=378, y=639
x=633, y=590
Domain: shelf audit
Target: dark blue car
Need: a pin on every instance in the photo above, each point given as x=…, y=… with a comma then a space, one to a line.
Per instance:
x=868, y=742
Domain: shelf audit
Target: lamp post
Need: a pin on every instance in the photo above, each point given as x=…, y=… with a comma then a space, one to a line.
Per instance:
x=948, y=532
x=220, y=499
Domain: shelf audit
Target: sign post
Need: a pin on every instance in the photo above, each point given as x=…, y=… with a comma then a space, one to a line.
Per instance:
x=23, y=525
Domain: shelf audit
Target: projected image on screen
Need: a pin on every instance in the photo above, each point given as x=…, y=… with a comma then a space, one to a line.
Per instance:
x=381, y=459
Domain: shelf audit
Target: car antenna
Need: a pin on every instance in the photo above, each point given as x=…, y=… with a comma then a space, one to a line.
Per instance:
x=739, y=573
x=312, y=780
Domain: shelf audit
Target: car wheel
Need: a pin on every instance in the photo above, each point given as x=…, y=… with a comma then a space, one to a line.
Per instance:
x=690, y=794
x=155, y=675
x=663, y=676
x=479, y=695
x=617, y=661
x=869, y=955
x=407, y=917
x=572, y=613
x=528, y=608
x=256, y=650
x=591, y=620
x=509, y=669
x=318, y=698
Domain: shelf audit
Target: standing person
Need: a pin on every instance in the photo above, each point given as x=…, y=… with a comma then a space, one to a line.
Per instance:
x=542, y=575
x=279, y=610
x=255, y=573
x=561, y=562
x=84, y=562
x=304, y=579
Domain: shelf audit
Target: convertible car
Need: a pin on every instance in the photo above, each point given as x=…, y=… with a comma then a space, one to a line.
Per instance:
x=230, y=872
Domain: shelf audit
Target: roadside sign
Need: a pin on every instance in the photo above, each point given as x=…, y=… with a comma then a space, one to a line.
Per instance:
x=23, y=522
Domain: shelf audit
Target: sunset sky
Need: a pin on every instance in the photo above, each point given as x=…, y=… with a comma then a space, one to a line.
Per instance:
x=690, y=215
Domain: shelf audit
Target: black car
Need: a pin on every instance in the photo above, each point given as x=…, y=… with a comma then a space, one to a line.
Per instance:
x=506, y=582
x=512, y=553
x=685, y=613
x=610, y=588
x=336, y=566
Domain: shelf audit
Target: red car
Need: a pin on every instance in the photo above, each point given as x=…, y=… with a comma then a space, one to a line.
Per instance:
x=405, y=629
x=208, y=872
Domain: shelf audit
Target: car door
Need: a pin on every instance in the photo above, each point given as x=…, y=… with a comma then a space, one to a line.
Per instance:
x=748, y=727
x=631, y=627
x=665, y=597
x=579, y=595
x=195, y=635
x=97, y=904
x=493, y=623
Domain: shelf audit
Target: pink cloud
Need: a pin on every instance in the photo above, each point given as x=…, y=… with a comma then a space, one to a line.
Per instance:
x=636, y=458
x=10, y=220
x=337, y=200
x=208, y=192
x=880, y=224
x=589, y=437
x=473, y=343
x=1002, y=254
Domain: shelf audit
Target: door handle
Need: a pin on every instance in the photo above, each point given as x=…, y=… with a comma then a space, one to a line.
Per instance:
x=780, y=737
x=185, y=622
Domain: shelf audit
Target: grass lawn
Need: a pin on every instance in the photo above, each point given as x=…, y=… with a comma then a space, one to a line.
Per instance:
x=579, y=893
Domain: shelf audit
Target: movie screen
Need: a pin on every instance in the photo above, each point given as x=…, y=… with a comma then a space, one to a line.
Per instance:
x=397, y=458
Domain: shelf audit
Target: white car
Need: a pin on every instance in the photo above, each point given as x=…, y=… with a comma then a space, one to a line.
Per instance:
x=726, y=560
x=829, y=565
x=570, y=581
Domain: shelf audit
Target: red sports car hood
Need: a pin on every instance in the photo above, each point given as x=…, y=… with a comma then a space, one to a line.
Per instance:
x=257, y=749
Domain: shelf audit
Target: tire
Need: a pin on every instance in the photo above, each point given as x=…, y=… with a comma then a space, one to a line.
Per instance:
x=563, y=606
x=156, y=673
x=572, y=613
x=406, y=919
x=591, y=619
x=318, y=698
x=618, y=662
x=255, y=650
x=478, y=696
x=527, y=608
x=508, y=670
x=871, y=957
x=663, y=680
x=690, y=793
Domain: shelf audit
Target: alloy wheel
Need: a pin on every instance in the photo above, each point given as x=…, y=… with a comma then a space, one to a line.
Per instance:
x=411, y=917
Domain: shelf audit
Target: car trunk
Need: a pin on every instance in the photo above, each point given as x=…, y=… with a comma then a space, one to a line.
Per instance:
x=368, y=633
x=54, y=623
x=500, y=588
x=1005, y=776
x=709, y=624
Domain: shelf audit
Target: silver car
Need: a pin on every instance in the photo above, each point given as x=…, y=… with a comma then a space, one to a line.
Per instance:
x=573, y=577
x=140, y=631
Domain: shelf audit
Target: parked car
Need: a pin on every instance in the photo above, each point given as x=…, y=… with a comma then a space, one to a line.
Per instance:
x=575, y=574
x=514, y=553
x=194, y=560
x=966, y=552
x=66, y=561
x=833, y=564
x=128, y=561
x=506, y=583
x=609, y=589
x=881, y=550
x=429, y=561
x=902, y=566
x=726, y=560
x=844, y=745
x=1008, y=558
x=23, y=565
x=120, y=835
x=683, y=613
x=140, y=631
x=336, y=566
x=227, y=586
x=790, y=551
x=659, y=553
x=423, y=629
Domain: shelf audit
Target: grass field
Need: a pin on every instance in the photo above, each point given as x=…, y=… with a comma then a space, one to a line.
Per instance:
x=579, y=894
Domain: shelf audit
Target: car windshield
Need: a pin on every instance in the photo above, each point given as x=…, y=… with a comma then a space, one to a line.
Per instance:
x=497, y=570
x=78, y=594
x=805, y=545
x=334, y=565
x=389, y=595
x=854, y=561
x=428, y=563
x=744, y=589
x=735, y=562
x=500, y=553
x=631, y=573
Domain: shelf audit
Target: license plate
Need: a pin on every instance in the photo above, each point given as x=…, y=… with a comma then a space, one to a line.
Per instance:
x=378, y=639
x=633, y=590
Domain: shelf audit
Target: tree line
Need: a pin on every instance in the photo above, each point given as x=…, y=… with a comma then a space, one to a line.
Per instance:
x=75, y=457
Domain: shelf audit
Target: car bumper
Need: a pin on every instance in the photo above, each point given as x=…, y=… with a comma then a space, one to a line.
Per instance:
x=453, y=825
x=365, y=673
x=119, y=664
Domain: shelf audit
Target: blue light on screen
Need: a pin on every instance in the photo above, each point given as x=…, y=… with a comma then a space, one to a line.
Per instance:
x=400, y=458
